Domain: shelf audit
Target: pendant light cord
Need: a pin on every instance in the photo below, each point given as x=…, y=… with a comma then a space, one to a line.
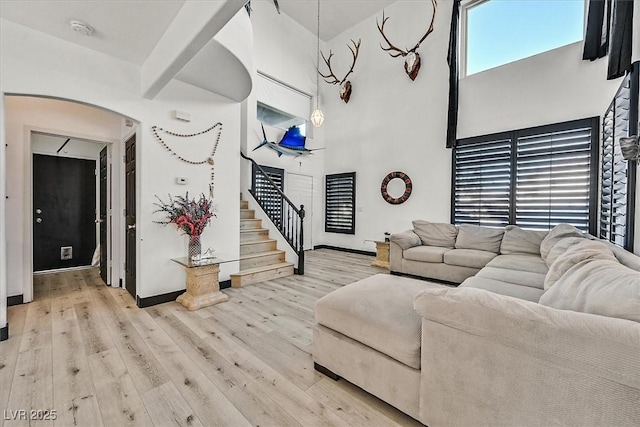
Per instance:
x=318, y=58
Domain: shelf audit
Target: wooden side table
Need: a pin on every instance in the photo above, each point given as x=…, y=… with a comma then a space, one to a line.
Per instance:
x=382, y=255
x=203, y=287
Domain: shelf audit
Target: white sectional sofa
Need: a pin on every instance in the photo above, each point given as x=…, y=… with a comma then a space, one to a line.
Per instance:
x=544, y=338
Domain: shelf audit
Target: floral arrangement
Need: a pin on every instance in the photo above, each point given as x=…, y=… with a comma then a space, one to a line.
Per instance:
x=190, y=216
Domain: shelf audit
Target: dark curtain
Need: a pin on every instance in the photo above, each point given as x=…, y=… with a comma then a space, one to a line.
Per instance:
x=596, y=39
x=452, y=59
x=621, y=39
x=609, y=31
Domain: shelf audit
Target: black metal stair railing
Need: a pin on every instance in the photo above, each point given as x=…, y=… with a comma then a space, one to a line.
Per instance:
x=287, y=218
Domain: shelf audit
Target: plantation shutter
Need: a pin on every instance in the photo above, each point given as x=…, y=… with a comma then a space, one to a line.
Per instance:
x=618, y=176
x=553, y=177
x=535, y=178
x=340, y=212
x=482, y=182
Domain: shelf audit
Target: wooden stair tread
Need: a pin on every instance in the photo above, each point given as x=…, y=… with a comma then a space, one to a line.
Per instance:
x=263, y=268
x=261, y=254
x=253, y=230
x=253, y=242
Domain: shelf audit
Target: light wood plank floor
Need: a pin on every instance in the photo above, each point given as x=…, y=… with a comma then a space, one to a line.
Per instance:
x=86, y=351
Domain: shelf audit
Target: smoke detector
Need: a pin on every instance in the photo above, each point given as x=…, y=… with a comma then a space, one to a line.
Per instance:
x=80, y=27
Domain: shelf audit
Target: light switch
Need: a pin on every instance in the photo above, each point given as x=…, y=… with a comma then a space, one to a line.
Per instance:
x=182, y=180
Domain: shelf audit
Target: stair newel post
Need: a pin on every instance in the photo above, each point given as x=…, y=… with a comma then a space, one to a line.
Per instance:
x=301, y=242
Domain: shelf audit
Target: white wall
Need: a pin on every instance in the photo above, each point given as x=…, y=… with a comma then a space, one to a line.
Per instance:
x=89, y=77
x=285, y=50
x=392, y=123
x=3, y=239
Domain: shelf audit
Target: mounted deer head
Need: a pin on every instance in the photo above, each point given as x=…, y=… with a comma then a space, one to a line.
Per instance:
x=411, y=57
x=345, y=85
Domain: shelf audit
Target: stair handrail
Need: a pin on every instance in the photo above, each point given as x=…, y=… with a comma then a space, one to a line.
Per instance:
x=296, y=245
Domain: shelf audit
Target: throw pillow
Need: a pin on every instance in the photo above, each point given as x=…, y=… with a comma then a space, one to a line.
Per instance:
x=435, y=234
x=602, y=287
x=519, y=241
x=479, y=238
x=581, y=250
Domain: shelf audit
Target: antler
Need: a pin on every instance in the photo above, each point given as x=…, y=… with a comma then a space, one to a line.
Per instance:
x=402, y=52
x=354, y=53
x=331, y=75
x=331, y=78
x=391, y=47
x=430, y=29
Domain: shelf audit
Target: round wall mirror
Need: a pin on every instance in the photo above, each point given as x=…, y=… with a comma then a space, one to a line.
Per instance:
x=396, y=188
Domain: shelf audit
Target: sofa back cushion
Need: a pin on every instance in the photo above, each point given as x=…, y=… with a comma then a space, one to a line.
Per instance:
x=577, y=250
x=435, y=234
x=519, y=241
x=598, y=286
x=557, y=233
x=479, y=238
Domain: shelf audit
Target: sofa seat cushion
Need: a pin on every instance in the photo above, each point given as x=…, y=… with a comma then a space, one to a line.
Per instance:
x=503, y=288
x=468, y=257
x=377, y=312
x=520, y=262
x=517, y=277
x=425, y=253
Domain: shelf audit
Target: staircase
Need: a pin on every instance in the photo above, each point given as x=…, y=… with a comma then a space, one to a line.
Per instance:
x=260, y=258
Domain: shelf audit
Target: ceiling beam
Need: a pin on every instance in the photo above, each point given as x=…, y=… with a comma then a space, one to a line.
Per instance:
x=195, y=24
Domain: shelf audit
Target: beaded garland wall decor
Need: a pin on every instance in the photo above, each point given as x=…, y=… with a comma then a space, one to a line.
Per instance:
x=208, y=161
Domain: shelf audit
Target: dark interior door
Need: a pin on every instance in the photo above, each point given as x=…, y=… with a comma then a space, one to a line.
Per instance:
x=130, y=216
x=64, y=203
x=104, y=242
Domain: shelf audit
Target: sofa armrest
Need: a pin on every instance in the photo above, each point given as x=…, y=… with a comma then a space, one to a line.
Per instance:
x=489, y=359
x=406, y=239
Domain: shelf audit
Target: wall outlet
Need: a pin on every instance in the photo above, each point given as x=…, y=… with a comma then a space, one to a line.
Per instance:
x=66, y=253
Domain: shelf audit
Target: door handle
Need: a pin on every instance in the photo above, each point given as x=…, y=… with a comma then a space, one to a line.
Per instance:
x=38, y=220
x=131, y=227
x=38, y=211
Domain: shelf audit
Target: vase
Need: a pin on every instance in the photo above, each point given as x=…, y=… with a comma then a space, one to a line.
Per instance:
x=195, y=248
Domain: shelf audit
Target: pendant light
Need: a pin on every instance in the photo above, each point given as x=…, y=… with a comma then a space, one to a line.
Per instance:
x=317, y=117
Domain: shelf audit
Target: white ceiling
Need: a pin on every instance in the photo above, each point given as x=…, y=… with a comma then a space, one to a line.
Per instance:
x=129, y=29
x=336, y=16
x=124, y=29
x=50, y=144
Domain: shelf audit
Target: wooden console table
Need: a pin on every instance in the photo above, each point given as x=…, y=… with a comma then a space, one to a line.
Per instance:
x=203, y=287
x=382, y=255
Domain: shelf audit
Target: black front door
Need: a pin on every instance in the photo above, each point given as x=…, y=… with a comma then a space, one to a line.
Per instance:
x=104, y=242
x=64, y=212
x=130, y=216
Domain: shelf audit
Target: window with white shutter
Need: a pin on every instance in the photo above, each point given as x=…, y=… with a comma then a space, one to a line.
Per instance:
x=340, y=203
